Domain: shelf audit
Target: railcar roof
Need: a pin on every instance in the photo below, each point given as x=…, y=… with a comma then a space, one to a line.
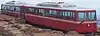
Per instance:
x=15, y=3
x=63, y=8
x=18, y=3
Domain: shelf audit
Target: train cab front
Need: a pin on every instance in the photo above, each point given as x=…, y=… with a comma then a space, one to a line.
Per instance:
x=86, y=21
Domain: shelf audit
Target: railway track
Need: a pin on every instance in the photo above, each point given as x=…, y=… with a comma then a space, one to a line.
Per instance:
x=9, y=25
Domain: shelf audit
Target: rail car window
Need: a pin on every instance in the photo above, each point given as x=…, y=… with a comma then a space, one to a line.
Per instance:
x=17, y=8
x=62, y=13
x=4, y=8
x=11, y=8
x=91, y=15
x=31, y=9
x=7, y=7
x=46, y=12
x=67, y=15
x=36, y=10
x=25, y=10
x=52, y=12
x=72, y=14
x=82, y=16
x=41, y=11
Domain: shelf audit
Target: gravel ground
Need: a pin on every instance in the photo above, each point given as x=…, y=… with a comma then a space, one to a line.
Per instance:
x=9, y=27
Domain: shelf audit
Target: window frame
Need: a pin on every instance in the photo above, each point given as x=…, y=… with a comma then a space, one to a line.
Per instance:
x=69, y=15
x=85, y=16
x=53, y=13
x=91, y=16
x=31, y=9
x=17, y=7
x=36, y=10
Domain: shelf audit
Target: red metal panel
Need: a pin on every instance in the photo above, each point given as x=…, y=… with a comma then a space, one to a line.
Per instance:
x=83, y=28
x=50, y=23
x=16, y=14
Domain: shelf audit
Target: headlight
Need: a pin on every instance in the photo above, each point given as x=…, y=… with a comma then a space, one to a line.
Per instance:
x=88, y=24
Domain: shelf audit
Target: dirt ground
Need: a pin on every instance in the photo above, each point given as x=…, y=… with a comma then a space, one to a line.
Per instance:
x=10, y=27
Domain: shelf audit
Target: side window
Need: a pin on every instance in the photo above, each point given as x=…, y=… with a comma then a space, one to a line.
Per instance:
x=72, y=14
x=4, y=8
x=11, y=8
x=82, y=16
x=68, y=13
x=25, y=10
x=7, y=7
x=46, y=12
x=17, y=8
x=52, y=12
x=91, y=15
x=62, y=13
x=41, y=11
x=31, y=10
x=37, y=10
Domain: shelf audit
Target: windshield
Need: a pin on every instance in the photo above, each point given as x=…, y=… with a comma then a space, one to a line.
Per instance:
x=82, y=16
x=91, y=15
x=86, y=16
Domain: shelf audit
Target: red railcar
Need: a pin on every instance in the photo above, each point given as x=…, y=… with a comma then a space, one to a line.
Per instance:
x=57, y=15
